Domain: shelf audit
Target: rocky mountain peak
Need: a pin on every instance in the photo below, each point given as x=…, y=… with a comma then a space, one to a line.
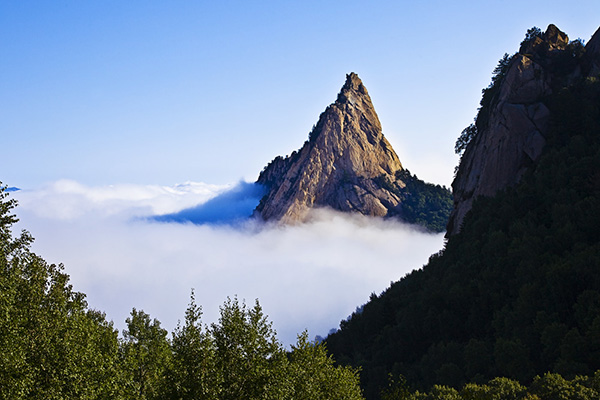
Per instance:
x=557, y=39
x=346, y=165
x=339, y=165
x=550, y=40
x=353, y=91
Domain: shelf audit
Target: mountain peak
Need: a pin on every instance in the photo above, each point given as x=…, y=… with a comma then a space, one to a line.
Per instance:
x=336, y=168
x=539, y=42
x=352, y=90
x=346, y=165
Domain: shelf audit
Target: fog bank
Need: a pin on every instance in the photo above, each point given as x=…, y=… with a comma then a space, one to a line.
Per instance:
x=308, y=276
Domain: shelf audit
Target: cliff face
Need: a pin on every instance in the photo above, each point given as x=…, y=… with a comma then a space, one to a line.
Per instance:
x=526, y=259
x=593, y=54
x=511, y=129
x=341, y=166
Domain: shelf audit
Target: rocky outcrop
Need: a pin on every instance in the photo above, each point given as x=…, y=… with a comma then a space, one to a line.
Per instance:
x=593, y=54
x=347, y=165
x=552, y=39
x=512, y=126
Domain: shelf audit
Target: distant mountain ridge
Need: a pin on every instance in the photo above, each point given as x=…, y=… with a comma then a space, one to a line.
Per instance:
x=348, y=165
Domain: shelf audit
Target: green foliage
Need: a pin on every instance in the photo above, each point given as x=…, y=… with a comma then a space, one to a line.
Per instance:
x=532, y=34
x=53, y=347
x=146, y=355
x=465, y=138
x=248, y=355
x=397, y=388
x=546, y=387
x=193, y=371
x=240, y=358
x=496, y=389
x=422, y=203
x=490, y=93
x=555, y=387
x=517, y=292
x=314, y=375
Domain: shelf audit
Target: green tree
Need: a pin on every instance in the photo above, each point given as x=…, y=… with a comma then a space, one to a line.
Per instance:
x=465, y=138
x=249, y=357
x=439, y=392
x=532, y=34
x=397, y=389
x=194, y=374
x=53, y=346
x=496, y=389
x=146, y=356
x=314, y=376
x=555, y=387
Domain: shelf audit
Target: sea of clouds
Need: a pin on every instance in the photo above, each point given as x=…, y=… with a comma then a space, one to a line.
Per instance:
x=147, y=246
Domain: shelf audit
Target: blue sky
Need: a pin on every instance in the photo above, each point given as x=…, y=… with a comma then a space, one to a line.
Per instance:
x=149, y=92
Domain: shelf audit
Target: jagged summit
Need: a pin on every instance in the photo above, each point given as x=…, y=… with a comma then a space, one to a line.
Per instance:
x=352, y=90
x=550, y=40
x=338, y=167
x=346, y=165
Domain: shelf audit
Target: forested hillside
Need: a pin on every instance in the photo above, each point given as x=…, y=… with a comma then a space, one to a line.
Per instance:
x=517, y=292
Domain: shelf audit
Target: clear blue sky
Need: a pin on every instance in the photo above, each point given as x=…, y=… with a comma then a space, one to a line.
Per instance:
x=150, y=92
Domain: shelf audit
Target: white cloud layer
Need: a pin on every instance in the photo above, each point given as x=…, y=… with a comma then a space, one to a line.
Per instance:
x=306, y=277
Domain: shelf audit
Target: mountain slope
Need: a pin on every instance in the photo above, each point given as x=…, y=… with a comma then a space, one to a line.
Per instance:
x=511, y=128
x=516, y=291
x=348, y=165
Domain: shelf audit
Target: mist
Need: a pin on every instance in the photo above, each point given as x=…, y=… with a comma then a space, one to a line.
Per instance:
x=119, y=249
x=230, y=207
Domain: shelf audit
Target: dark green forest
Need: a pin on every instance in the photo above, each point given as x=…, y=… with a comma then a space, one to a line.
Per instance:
x=422, y=203
x=546, y=387
x=517, y=292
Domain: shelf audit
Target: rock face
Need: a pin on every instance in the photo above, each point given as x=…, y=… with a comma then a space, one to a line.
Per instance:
x=345, y=165
x=593, y=53
x=512, y=127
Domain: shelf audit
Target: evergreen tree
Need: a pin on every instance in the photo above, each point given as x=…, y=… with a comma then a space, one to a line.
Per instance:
x=314, y=375
x=194, y=374
x=248, y=355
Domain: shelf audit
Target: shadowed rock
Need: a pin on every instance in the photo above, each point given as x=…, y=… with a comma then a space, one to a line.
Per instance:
x=512, y=135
